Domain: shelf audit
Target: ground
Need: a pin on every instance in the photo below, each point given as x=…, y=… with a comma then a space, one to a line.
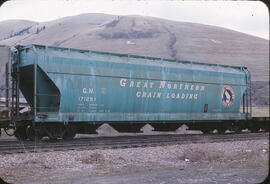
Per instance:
x=228, y=162
x=194, y=174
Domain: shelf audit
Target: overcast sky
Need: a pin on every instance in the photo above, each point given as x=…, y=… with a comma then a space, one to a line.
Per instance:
x=250, y=17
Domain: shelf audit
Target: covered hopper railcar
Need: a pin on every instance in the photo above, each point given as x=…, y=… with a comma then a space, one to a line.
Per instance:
x=74, y=91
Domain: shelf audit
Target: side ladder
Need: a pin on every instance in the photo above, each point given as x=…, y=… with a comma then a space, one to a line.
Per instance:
x=15, y=89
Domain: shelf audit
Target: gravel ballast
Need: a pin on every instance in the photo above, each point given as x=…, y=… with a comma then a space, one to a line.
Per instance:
x=69, y=165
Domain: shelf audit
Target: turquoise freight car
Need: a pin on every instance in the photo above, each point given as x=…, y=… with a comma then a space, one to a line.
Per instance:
x=72, y=87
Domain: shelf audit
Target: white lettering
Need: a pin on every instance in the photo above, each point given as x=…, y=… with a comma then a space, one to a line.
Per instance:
x=162, y=84
x=131, y=84
x=143, y=94
x=154, y=95
x=151, y=84
x=123, y=82
x=186, y=86
x=181, y=85
x=91, y=90
x=145, y=85
x=183, y=96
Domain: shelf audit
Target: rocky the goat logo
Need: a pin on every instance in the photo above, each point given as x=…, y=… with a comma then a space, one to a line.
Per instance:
x=227, y=96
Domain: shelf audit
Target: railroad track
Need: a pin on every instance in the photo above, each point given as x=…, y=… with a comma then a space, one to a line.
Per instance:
x=9, y=146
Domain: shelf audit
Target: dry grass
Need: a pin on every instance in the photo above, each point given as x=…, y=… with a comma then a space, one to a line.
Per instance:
x=201, y=154
x=208, y=154
x=94, y=158
x=260, y=112
x=23, y=168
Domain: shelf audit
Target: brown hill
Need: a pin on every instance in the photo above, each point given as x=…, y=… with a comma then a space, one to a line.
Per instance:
x=12, y=28
x=146, y=36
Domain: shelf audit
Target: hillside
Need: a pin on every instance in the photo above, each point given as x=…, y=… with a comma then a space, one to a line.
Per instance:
x=13, y=28
x=147, y=36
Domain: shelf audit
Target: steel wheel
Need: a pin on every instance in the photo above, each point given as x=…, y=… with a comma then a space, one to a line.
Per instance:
x=20, y=133
x=32, y=134
x=70, y=133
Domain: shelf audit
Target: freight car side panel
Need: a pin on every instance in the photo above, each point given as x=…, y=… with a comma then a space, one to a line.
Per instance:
x=135, y=95
x=102, y=87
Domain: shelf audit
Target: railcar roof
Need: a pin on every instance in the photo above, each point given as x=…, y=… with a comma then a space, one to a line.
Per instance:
x=155, y=59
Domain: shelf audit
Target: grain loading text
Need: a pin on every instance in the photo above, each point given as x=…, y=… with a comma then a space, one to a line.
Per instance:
x=174, y=90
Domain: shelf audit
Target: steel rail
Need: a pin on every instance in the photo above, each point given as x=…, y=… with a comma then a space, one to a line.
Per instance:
x=9, y=146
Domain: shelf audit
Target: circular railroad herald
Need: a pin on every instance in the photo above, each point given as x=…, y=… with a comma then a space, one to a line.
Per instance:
x=227, y=96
